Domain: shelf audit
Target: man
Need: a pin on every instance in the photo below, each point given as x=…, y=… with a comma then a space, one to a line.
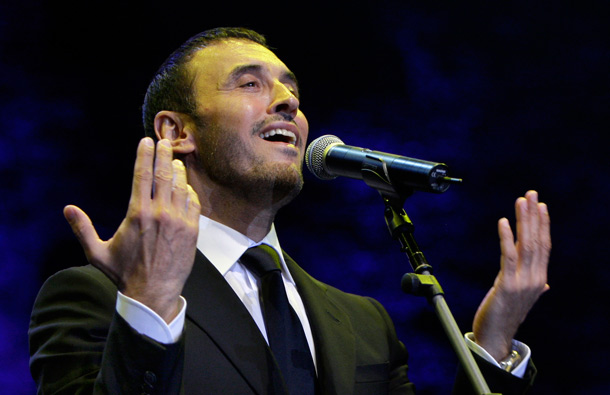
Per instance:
x=227, y=110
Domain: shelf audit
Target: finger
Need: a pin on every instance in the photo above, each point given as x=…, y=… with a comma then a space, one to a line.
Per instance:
x=524, y=239
x=545, y=240
x=142, y=176
x=534, y=223
x=194, y=207
x=179, y=187
x=163, y=173
x=507, y=247
x=532, y=208
x=83, y=228
x=533, y=214
x=545, y=230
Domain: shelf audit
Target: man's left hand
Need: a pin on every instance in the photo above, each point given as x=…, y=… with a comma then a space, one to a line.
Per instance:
x=521, y=280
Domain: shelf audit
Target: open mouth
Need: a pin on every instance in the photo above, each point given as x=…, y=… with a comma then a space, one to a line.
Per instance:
x=279, y=135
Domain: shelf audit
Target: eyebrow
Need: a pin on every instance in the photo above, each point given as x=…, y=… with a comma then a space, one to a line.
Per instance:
x=238, y=71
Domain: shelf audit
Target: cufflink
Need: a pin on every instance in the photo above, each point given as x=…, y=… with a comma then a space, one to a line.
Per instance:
x=510, y=362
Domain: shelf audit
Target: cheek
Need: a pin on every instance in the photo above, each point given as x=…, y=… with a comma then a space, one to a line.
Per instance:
x=240, y=118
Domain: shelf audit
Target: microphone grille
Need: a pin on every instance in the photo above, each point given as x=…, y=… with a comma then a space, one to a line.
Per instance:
x=314, y=156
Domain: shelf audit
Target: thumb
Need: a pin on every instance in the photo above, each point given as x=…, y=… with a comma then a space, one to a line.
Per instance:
x=82, y=227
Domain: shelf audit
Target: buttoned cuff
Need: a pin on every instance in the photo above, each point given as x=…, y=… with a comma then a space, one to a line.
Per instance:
x=146, y=322
x=521, y=348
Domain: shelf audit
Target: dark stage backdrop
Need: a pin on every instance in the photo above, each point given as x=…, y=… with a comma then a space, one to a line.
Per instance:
x=511, y=95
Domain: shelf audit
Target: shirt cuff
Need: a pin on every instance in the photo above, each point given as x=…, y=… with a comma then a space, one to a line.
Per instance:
x=146, y=322
x=522, y=349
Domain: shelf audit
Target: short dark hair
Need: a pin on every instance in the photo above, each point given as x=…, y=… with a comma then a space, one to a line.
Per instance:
x=171, y=88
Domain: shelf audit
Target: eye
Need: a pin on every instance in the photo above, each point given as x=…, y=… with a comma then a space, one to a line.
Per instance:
x=250, y=84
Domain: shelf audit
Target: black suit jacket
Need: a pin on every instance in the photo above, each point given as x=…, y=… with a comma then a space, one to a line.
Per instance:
x=78, y=344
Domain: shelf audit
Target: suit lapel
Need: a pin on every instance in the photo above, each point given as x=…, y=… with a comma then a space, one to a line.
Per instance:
x=332, y=332
x=215, y=309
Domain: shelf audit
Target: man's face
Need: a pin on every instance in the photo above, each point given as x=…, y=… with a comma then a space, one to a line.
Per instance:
x=253, y=134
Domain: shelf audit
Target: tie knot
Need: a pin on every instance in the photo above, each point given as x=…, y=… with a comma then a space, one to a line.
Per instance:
x=261, y=260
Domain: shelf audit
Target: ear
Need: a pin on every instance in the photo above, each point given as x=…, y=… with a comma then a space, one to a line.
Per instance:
x=178, y=129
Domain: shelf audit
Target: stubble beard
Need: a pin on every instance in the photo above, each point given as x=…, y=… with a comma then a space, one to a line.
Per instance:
x=263, y=183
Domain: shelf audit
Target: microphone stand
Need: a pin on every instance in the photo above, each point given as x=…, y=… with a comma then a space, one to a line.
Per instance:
x=375, y=173
x=423, y=283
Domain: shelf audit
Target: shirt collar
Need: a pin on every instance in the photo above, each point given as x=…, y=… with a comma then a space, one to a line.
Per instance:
x=223, y=245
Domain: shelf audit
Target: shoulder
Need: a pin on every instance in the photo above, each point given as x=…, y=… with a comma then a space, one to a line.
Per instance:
x=352, y=304
x=84, y=285
x=80, y=275
x=358, y=304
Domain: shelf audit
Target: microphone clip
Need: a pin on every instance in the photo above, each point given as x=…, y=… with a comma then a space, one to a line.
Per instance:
x=375, y=174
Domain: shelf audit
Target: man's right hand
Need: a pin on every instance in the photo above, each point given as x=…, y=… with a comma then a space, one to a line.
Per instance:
x=152, y=252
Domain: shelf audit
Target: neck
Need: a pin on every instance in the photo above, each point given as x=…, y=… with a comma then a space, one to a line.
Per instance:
x=250, y=216
x=255, y=224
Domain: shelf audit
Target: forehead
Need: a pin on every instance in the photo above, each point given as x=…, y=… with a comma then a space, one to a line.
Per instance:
x=216, y=62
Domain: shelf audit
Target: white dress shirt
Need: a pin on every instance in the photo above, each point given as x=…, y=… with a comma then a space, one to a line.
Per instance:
x=223, y=246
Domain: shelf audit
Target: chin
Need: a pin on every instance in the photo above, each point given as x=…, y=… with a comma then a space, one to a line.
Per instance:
x=285, y=181
x=288, y=181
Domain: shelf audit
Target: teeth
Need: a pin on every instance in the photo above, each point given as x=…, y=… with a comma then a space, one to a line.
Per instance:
x=292, y=137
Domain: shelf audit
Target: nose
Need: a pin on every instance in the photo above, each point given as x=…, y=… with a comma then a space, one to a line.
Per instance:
x=283, y=101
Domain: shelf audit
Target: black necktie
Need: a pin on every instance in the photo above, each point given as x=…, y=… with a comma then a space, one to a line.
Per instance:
x=284, y=330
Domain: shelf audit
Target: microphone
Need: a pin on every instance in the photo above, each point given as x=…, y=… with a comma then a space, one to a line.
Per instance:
x=398, y=176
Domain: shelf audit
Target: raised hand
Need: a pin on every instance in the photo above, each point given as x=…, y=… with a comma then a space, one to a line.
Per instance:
x=152, y=252
x=521, y=280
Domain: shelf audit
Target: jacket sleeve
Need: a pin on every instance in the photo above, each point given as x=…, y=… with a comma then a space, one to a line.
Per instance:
x=80, y=345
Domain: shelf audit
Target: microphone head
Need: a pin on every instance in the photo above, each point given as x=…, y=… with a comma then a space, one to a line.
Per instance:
x=316, y=154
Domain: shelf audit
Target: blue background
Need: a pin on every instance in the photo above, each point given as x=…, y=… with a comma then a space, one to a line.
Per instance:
x=512, y=96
